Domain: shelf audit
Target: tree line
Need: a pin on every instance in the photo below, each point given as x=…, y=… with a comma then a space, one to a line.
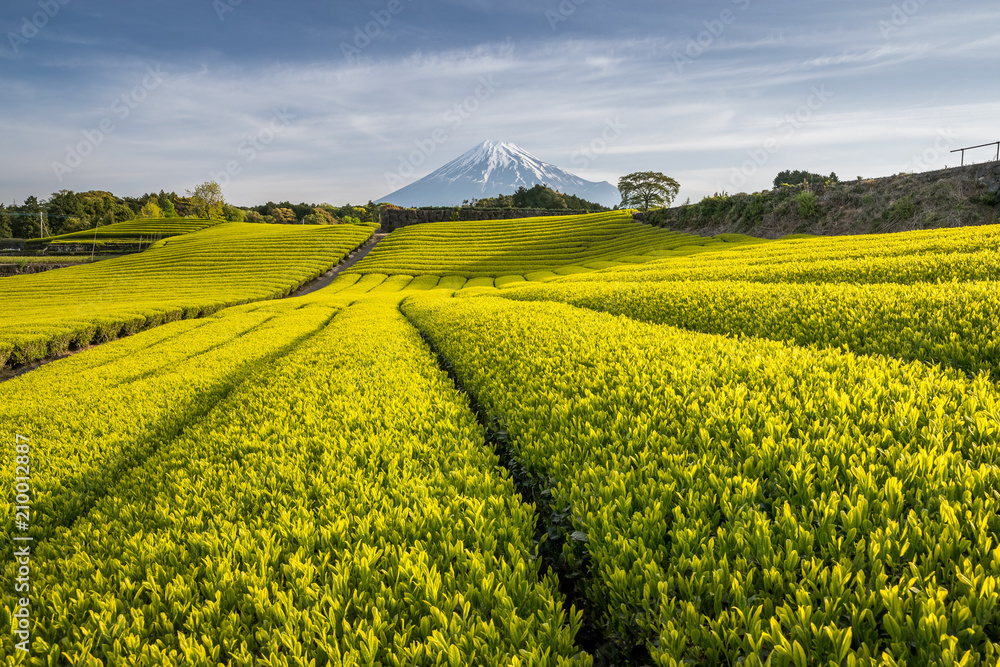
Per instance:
x=539, y=197
x=66, y=211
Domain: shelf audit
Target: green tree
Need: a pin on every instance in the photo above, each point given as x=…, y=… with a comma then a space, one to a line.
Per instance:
x=208, y=200
x=283, y=216
x=319, y=216
x=28, y=223
x=539, y=196
x=647, y=189
x=64, y=205
x=151, y=210
x=373, y=211
x=74, y=225
x=167, y=204
x=117, y=212
x=233, y=214
x=6, y=229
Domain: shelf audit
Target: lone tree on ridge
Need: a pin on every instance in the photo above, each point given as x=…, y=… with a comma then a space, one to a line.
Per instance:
x=208, y=200
x=647, y=189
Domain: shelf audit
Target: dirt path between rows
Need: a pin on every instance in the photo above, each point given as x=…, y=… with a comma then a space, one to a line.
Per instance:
x=332, y=274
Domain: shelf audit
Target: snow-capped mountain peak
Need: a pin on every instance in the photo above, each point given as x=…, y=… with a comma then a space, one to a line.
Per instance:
x=493, y=168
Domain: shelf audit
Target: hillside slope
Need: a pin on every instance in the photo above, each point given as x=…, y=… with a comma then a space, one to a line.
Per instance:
x=132, y=230
x=183, y=276
x=958, y=197
x=530, y=247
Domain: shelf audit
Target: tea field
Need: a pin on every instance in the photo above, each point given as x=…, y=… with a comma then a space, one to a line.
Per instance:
x=179, y=277
x=530, y=248
x=516, y=443
x=132, y=231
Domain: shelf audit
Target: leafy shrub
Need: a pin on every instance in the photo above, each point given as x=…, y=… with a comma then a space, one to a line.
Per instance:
x=989, y=199
x=799, y=177
x=807, y=203
x=902, y=209
x=714, y=207
x=754, y=212
x=687, y=453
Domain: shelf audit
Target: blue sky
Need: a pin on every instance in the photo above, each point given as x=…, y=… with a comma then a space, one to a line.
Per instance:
x=337, y=102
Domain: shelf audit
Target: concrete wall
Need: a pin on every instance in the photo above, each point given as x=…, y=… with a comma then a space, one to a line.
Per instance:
x=32, y=248
x=14, y=270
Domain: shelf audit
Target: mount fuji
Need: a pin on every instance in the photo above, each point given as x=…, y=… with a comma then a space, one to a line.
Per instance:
x=493, y=168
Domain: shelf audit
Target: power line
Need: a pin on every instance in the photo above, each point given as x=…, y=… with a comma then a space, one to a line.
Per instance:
x=35, y=215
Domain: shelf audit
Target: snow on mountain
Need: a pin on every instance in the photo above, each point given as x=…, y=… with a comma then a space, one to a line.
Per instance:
x=494, y=168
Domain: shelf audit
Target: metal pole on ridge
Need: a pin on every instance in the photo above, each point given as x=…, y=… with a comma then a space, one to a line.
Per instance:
x=969, y=148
